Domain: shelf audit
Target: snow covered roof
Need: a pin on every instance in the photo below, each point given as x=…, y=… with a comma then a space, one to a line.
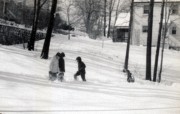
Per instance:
x=156, y=0
x=168, y=22
x=123, y=19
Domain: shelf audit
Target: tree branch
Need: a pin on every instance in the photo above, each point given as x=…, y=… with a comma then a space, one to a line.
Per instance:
x=42, y=4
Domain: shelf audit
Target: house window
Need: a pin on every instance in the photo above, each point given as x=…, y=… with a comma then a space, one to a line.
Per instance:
x=145, y=29
x=175, y=9
x=173, y=30
x=146, y=9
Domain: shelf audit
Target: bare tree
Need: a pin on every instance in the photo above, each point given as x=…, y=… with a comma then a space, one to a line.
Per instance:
x=105, y=6
x=68, y=17
x=66, y=7
x=158, y=42
x=45, y=50
x=167, y=16
x=111, y=6
x=149, y=41
x=90, y=11
x=38, y=4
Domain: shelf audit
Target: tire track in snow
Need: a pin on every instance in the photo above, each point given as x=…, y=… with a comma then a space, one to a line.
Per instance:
x=118, y=91
x=105, y=110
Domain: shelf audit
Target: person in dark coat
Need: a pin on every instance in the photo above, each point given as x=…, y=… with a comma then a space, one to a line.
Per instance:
x=81, y=69
x=61, y=66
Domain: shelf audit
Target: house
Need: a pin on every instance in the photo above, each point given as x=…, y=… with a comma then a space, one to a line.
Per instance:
x=140, y=22
x=121, y=28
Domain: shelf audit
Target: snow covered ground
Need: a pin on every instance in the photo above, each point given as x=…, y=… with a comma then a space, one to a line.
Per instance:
x=25, y=88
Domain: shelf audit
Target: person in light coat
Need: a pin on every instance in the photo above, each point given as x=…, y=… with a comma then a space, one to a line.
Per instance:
x=54, y=67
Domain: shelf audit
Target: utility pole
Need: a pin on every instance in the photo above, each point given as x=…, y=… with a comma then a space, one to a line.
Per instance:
x=149, y=40
x=129, y=36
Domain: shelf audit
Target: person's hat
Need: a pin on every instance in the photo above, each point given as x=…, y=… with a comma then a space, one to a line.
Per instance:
x=78, y=58
x=58, y=54
x=62, y=54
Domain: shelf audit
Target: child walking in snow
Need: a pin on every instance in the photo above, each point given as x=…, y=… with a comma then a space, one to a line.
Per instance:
x=81, y=69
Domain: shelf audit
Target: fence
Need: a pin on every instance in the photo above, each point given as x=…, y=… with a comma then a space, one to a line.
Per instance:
x=10, y=35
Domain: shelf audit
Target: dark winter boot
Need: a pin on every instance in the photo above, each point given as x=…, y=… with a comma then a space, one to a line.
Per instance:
x=83, y=77
x=75, y=77
x=61, y=77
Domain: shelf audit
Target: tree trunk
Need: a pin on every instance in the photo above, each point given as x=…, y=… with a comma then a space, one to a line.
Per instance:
x=88, y=13
x=116, y=17
x=68, y=16
x=45, y=50
x=4, y=8
x=111, y=5
x=149, y=41
x=34, y=27
x=116, y=13
x=109, y=25
x=34, y=16
x=23, y=13
x=105, y=2
x=158, y=43
x=129, y=36
x=165, y=32
x=88, y=23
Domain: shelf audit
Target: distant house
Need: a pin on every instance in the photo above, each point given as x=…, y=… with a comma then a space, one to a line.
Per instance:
x=121, y=28
x=140, y=23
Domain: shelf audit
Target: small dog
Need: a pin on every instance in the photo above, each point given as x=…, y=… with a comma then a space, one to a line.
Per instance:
x=130, y=78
